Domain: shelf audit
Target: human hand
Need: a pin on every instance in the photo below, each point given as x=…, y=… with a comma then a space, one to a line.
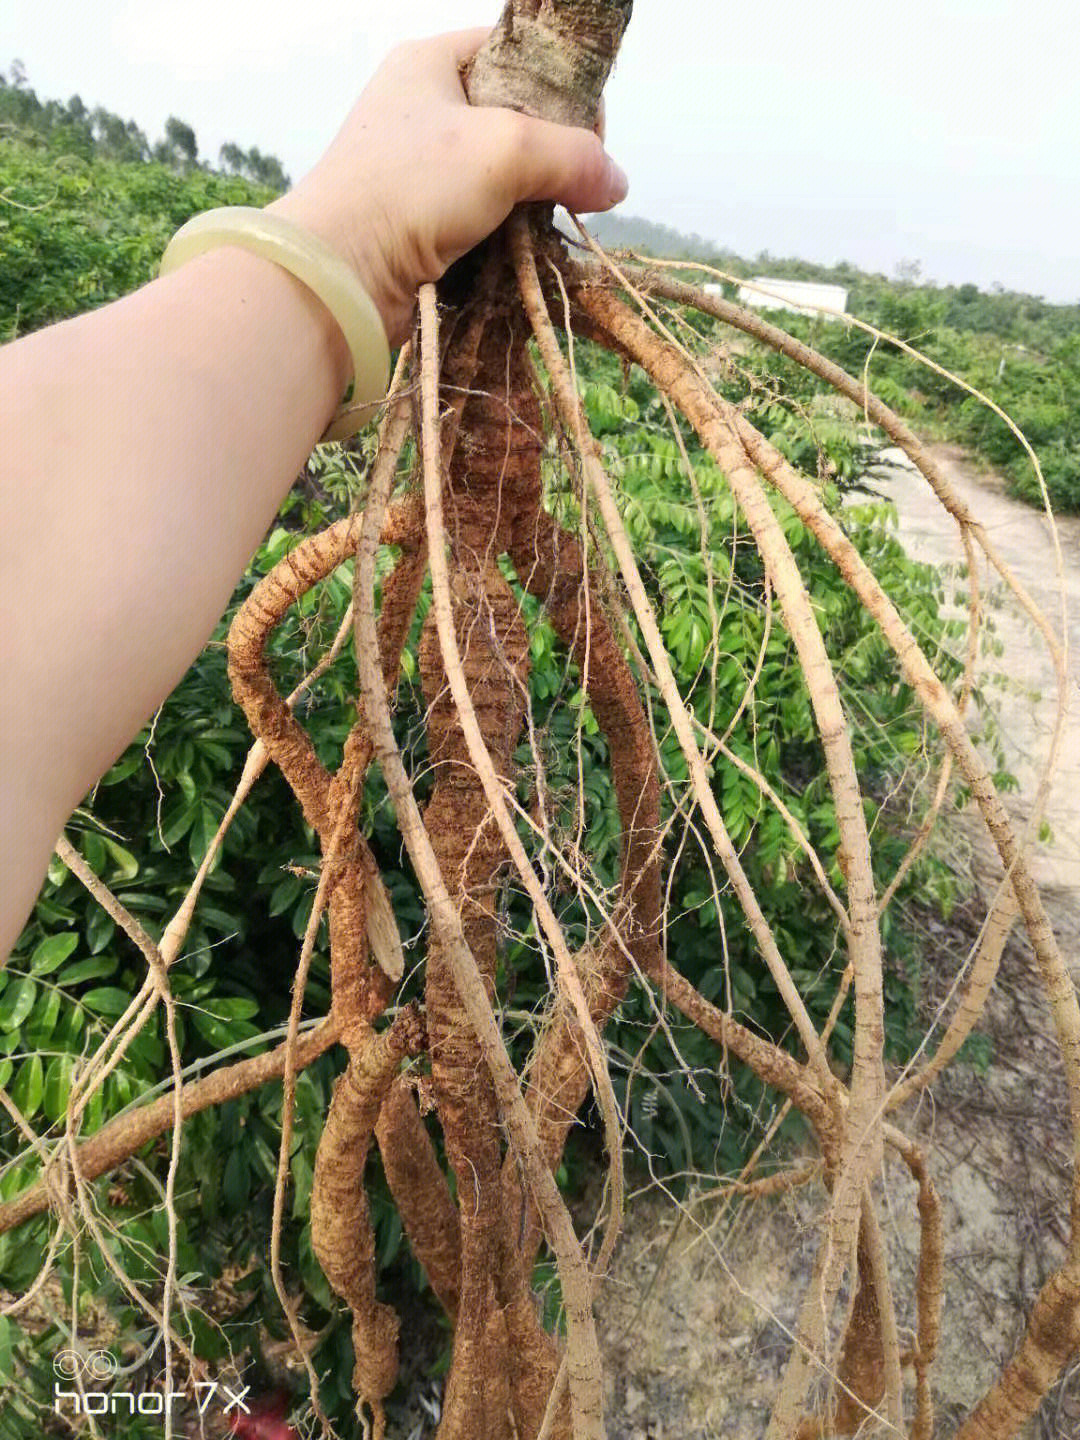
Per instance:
x=417, y=177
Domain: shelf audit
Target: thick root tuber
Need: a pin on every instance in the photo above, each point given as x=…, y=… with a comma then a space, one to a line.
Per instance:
x=341, y=1233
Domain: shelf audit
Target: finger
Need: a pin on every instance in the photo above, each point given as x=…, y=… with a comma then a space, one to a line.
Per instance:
x=441, y=57
x=562, y=163
x=463, y=44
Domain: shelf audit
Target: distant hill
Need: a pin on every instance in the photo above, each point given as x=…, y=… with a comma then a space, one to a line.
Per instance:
x=632, y=232
x=1006, y=313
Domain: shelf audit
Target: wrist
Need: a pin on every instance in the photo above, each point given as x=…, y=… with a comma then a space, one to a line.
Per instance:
x=362, y=254
x=334, y=285
x=328, y=334
x=282, y=318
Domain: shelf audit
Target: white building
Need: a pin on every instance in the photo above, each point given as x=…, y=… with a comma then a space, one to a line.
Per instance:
x=804, y=297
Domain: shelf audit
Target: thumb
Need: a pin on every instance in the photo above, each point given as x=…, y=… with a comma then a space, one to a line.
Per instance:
x=567, y=165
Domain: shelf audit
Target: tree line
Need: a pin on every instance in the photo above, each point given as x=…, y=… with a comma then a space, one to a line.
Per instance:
x=1021, y=350
x=71, y=127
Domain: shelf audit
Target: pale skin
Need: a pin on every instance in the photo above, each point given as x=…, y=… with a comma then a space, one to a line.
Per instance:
x=148, y=445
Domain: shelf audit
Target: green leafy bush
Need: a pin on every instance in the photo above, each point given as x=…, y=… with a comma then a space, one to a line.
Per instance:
x=77, y=232
x=1030, y=370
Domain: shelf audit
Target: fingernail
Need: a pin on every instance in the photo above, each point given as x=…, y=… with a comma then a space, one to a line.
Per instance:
x=618, y=184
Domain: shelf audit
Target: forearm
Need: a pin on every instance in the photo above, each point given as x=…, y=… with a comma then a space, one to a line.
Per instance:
x=147, y=447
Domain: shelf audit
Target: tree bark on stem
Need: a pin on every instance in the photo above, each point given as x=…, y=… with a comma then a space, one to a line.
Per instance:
x=550, y=58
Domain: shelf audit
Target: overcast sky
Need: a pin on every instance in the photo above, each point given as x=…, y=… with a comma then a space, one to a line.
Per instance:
x=943, y=131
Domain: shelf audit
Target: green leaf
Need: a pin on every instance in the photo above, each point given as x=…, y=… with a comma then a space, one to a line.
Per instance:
x=180, y=823
x=202, y=832
x=124, y=767
x=107, y=1000
x=100, y=929
x=57, y=872
x=29, y=1086
x=17, y=1002
x=127, y=867
x=236, y=1182
x=284, y=894
x=52, y=952
x=7, y=1347
x=69, y=1030
x=391, y=1243
x=119, y=1091
x=221, y=1033
x=213, y=917
x=217, y=753
x=93, y=849
x=93, y=969
x=41, y=1021
x=94, y=1112
x=47, y=912
x=234, y=1007
x=303, y=1177
x=148, y=1047
x=745, y=983
x=316, y=1284
x=267, y=1158
x=58, y=1074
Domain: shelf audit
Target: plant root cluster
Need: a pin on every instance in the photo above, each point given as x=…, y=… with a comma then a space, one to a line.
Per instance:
x=476, y=516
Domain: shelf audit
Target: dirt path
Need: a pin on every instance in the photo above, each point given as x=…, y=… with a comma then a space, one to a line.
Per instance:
x=1028, y=700
x=699, y=1306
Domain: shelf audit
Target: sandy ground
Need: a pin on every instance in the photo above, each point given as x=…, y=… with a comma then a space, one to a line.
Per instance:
x=697, y=1310
x=1028, y=701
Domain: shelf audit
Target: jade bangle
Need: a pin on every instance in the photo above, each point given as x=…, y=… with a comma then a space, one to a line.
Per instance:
x=323, y=272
